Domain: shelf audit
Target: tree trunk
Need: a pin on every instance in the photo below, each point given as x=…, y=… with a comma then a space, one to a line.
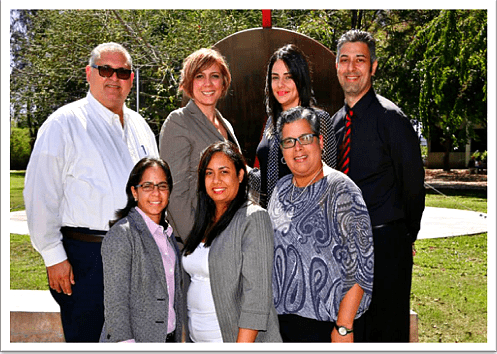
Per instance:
x=446, y=161
x=353, y=23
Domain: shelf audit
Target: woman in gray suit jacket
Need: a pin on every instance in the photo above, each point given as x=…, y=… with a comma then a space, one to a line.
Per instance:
x=187, y=131
x=142, y=279
x=229, y=256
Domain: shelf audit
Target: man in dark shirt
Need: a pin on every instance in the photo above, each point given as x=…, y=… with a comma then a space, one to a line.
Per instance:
x=384, y=160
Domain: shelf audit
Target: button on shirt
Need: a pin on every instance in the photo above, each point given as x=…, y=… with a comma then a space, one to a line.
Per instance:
x=78, y=171
x=385, y=161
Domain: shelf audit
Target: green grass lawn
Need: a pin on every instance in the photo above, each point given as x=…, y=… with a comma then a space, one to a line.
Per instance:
x=27, y=270
x=449, y=289
x=449, y=285
x=16, y=187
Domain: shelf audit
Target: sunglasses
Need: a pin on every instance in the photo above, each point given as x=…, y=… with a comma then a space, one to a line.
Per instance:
x=107, y=71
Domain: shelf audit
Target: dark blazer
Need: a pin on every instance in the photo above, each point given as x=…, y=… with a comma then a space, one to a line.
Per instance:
x=135, y=290
x=183, y=137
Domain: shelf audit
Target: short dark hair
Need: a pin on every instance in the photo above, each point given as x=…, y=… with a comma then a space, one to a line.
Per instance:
x=299, y=69
x=134, y=179
x=199, y=60
x=296, y=113
x=358, y=36
x=203, y=226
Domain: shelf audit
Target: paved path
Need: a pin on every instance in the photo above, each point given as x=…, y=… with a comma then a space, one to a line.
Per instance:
x=436, y=222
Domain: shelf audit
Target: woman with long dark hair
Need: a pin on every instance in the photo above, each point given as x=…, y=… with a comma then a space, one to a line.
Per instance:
x=228, y=256
x=142, y=278
x=288, y=84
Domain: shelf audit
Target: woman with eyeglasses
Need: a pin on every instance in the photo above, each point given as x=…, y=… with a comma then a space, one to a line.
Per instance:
x=288, y=84
x=323, y=241
x=142, y=280
x=187, y=131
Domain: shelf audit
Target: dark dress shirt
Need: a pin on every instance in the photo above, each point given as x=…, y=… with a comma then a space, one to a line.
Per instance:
x=385, y=161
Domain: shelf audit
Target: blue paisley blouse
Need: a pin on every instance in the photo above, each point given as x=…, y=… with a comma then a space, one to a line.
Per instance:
x=323, y=246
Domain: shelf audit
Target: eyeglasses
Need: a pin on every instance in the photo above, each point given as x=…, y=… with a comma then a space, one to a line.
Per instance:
x=304, y=139
x=107, y=71
x=149, y=186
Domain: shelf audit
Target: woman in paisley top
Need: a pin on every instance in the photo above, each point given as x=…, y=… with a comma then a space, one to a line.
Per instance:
x=323, y=258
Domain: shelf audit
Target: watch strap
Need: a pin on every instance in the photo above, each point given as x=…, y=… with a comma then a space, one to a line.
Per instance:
x=348, y=330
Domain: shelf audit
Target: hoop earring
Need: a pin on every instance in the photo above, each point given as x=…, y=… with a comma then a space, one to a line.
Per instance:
x=283, y=161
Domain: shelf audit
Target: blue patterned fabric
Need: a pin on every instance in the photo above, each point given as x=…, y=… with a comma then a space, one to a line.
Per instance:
x=323, y=246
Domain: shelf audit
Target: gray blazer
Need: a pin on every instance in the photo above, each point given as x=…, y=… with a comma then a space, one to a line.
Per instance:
x=135, y=291
x=184, y=135
x=240, y=269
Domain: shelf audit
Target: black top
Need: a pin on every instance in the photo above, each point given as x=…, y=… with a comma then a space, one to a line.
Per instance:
x=385, y=161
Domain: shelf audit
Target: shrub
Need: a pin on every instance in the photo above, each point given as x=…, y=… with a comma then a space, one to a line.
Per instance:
x=20, y=148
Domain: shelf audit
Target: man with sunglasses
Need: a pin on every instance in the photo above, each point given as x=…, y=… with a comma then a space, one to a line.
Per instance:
x=76, y=180
x=379, y=150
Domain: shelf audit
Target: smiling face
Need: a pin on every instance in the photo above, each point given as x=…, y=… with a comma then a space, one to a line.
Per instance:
x=284, y=88
x=111, y=92
x=152, y=203
x=208, y=87
x=222, y=181
x=303, y=160
x=354, y=70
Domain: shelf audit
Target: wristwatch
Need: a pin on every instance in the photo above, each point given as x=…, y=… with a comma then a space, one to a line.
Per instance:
x=342, y=330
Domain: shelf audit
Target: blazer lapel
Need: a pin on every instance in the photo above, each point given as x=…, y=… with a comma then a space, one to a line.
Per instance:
x=149, y=245
x=203, y=120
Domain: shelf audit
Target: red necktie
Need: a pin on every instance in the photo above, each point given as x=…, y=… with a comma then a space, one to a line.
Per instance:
x=344, y=161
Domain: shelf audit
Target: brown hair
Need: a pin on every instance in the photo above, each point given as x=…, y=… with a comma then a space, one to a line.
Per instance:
x=198, y=61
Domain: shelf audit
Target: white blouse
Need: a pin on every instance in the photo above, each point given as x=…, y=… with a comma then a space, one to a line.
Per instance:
x=202, y=318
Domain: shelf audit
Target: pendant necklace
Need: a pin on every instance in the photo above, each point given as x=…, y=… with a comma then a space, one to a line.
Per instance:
x=308, y=184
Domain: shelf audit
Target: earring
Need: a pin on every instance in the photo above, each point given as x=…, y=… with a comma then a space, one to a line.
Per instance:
x=283, y=161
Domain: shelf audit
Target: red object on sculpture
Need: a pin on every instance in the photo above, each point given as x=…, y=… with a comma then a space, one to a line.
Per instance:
x=266, y=19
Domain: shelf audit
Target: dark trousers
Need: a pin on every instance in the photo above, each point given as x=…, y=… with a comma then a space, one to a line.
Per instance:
x=82, y=313
x=294, y=328
x=388, y=316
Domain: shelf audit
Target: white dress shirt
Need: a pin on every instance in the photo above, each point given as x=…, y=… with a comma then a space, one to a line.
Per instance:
x=78, y=171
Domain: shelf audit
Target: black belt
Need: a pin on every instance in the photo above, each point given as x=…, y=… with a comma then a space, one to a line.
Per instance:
x=391, y=223
x=170, y=337
x=82, y=234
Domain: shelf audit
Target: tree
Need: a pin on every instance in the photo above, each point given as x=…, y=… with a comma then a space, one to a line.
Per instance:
x=45, y=48
x=432, y=63
x=452, y=76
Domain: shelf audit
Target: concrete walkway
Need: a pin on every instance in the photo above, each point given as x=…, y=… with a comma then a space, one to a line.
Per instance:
x=436, y=222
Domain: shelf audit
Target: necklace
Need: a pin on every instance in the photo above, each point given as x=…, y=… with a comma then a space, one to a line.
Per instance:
x=308, y=184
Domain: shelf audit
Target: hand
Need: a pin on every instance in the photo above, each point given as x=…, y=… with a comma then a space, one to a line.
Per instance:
x=61, y=277
x=336, y=338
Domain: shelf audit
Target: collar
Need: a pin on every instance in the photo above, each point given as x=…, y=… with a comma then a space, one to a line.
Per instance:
x=152, y=226
x=104, y=112
x=363, y=104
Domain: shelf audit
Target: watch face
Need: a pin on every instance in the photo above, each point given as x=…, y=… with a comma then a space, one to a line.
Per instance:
x=342, y=331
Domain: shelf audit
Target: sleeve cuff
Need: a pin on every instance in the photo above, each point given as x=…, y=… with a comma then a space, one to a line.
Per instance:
x=54, y=255
x=253, y=321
